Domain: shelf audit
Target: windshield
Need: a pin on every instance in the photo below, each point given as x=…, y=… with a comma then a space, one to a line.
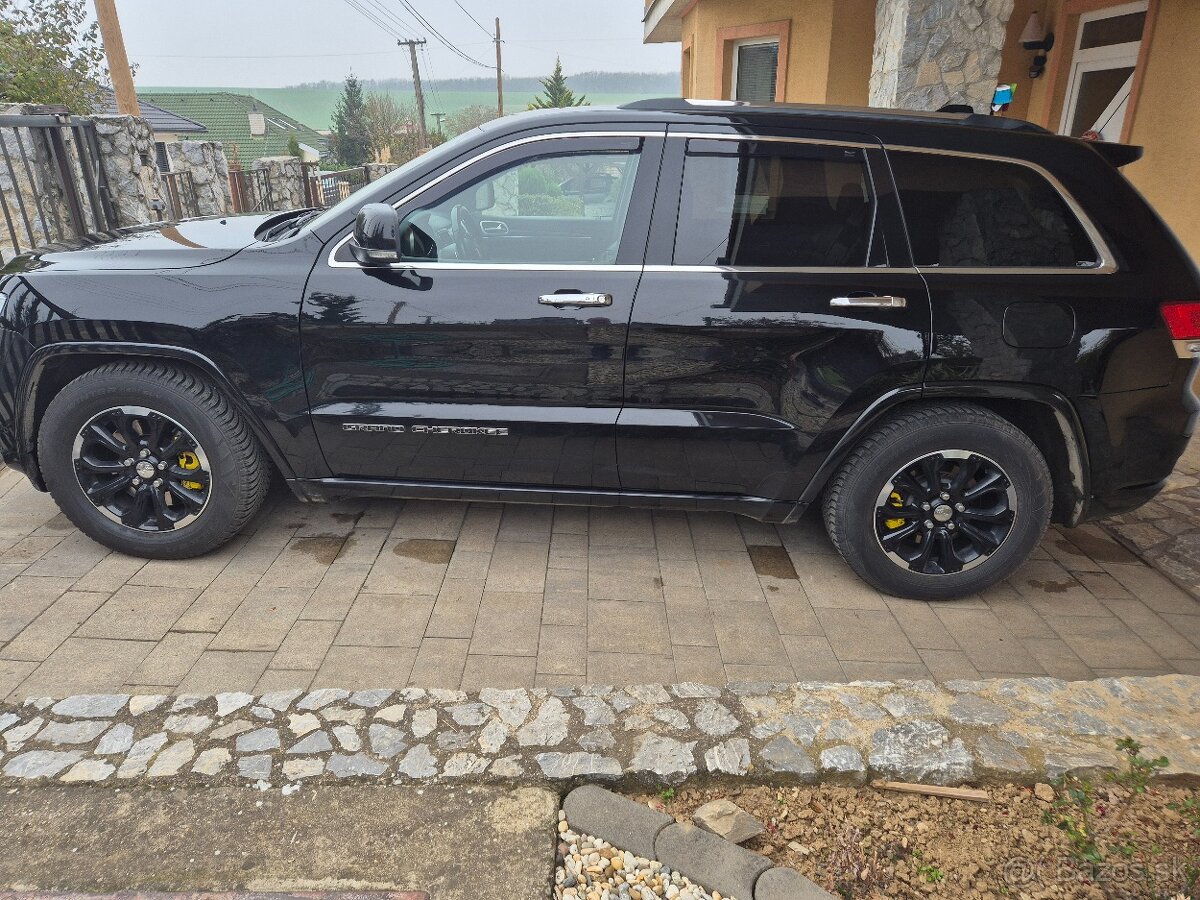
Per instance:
x=436, y=157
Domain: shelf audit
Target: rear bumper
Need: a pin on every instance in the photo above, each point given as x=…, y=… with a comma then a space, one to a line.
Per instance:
x=1114, y=503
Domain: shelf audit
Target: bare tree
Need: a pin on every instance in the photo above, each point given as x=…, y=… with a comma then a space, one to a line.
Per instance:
x=469, y=117
x=387, y=124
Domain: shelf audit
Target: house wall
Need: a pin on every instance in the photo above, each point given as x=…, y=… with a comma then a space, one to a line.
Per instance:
x=828, y=53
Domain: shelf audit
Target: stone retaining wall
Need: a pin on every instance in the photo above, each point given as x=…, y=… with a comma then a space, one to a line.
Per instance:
x=127, y=154
x=206, y=162
x=286, y=175
x=1019, y=730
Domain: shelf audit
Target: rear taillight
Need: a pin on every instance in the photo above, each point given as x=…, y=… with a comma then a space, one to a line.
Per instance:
x=1183, y=320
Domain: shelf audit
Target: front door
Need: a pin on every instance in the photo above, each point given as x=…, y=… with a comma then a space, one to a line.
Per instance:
x=780, y=307
x=1107, y=45
x=494, y=353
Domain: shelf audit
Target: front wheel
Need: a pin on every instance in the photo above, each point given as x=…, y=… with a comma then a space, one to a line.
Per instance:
x=941, y=502
x=151, y=461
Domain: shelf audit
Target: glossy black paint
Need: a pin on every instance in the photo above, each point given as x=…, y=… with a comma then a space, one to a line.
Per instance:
x=708, y=389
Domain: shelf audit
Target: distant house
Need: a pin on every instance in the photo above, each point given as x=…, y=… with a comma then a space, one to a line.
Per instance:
x=167, y=125
x=246, y=126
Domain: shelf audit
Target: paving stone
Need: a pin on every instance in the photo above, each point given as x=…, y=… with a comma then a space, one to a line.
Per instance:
x=231, y=730
x=783, y=755
x=548, y=728
x=281, y=701
x=322, y=698
x=714, y=719
x=187, y=724
x=997, y=754
x=906, y=706
x=423, y=722
x=419, y=762
x=15, y=737
x=730, y=757
x=71, y=732
x=88, y=771
x=616, y=819
x=665, y=758
x=258, y=741
x=255, y=768
x=41, y=763
x=141, y=705
x=370, y=699
x=709, y=860
x=920, y=751
x=672, y=718
x=387, y=742
x=315, y=743
x=118, y=739
x=211, y=761
x=229, y=703
x=595, y=711
x=596, y=740
x=492, y=737
x=843, y=760
x=140, y=754
x=172, y=759
x=973, y=710
x=299, y=769
x=358, y=765
x=578, y=765
x=93, y=706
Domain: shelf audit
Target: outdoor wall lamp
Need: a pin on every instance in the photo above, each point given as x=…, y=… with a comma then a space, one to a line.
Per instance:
x=1035, y=37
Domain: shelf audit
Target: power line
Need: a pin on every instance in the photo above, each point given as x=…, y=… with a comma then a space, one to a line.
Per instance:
x=472, y=18
x=373, y=18
x=441, y=37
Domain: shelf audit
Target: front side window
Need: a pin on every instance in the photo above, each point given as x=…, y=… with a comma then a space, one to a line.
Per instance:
x=770, y=204
x=965, y=212
x=562, y=208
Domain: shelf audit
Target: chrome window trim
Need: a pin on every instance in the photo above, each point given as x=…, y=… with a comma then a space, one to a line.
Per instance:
x=334, y=263
x=779, y=139
x=1106, y=265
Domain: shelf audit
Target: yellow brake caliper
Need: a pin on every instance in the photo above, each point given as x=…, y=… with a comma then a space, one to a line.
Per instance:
x=188, y=460
x=896, y=503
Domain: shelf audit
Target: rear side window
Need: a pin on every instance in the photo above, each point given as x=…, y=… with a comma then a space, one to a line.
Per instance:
x=764, y=204
x=964, y=212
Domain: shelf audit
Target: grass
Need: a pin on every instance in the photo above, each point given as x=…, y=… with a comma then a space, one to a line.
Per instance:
x=314, y=106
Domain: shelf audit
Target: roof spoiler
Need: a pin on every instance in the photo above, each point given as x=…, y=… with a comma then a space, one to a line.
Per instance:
x=1118, y=154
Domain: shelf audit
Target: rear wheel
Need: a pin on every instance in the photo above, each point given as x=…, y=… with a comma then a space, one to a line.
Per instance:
x=941, y=502
x=151, y=461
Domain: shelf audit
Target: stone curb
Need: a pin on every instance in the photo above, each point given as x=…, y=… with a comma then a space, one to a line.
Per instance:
x=703, y=857
x=640, y=736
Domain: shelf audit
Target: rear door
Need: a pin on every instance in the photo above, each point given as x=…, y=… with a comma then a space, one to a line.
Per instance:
x=778, y=302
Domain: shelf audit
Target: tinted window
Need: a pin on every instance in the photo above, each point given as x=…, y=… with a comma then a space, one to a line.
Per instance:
x=978, y=212
x=566, y=208
x=773, y=205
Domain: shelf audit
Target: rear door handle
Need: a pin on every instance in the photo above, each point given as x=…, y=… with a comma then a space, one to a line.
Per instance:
x=488, y=226
x=885, y=302
x=575, y=299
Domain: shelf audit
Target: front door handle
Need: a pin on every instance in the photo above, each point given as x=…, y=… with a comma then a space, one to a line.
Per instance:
x=568, y=299
x=870, y=300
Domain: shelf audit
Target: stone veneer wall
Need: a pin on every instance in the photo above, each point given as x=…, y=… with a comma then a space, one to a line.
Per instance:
x=127, y=155
x=287, y=181
x=932, y=52
x=206, y=162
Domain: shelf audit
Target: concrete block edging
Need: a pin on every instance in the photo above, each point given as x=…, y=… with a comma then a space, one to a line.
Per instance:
x=701, y=856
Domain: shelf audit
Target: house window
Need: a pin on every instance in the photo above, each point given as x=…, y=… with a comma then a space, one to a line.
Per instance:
x=1107, y=44
x=774, y=205
x=160, y=157
x=755, y=69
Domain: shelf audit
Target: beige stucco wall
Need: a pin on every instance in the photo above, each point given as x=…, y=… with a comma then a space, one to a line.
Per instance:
x=829, y=52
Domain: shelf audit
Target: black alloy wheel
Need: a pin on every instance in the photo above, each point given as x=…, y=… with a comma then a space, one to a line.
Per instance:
x=945, y=512
x=142, y=469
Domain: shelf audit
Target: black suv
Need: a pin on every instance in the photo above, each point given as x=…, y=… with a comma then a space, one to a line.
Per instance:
x=945, y=329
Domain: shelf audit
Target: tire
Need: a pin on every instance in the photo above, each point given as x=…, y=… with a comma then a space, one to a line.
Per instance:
x=189, y=504
x=876, y=499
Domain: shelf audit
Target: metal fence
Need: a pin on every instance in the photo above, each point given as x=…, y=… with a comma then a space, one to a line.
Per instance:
x=180, y=192
x=324, y=189
x=52, y=185
x=250, y=190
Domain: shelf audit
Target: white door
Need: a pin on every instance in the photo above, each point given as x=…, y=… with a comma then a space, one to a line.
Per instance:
x=1107, y=44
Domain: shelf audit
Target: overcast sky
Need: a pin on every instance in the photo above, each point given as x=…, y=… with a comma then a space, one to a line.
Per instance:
x=274, y=43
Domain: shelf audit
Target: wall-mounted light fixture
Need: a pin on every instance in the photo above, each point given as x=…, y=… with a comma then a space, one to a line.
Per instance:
x=1035, y=37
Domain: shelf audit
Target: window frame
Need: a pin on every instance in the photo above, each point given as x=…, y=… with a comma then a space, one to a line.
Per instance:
x=648, y=152
x=736, y=47
x=1106, y=261
x=872, y=182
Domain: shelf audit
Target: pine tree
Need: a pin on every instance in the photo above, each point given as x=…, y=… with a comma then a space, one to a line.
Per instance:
x=557, y=95
x=350, y=141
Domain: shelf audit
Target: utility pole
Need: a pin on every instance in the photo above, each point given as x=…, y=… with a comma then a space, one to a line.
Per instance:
x=422, y=133
x=118, y=62
x=499, y=73
x=439, y=117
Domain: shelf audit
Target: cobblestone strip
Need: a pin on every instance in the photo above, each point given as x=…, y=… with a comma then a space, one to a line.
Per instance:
x=650, y=735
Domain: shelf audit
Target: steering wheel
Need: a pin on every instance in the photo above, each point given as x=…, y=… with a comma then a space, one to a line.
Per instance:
x=466, y=233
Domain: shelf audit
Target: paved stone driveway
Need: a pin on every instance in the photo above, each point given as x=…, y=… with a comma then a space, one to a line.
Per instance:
x=372, y=593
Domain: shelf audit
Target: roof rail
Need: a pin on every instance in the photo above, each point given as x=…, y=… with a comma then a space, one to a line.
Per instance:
x=974, y=120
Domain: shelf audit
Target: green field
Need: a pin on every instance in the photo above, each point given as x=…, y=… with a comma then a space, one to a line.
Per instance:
x=314, y=106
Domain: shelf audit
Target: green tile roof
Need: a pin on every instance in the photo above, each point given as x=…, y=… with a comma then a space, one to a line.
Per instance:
x=226, y=116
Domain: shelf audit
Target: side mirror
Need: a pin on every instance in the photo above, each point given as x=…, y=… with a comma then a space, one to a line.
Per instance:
x=376, y=240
